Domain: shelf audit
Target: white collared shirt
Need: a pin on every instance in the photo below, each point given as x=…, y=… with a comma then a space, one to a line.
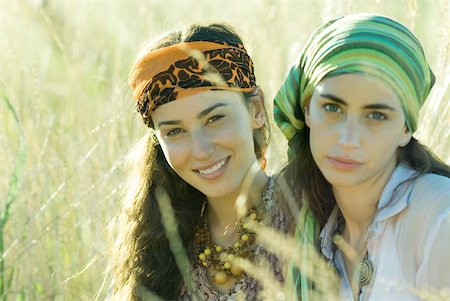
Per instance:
x=408, y=241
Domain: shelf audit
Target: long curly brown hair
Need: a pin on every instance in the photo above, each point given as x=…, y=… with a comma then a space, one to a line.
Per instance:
x=141, y=256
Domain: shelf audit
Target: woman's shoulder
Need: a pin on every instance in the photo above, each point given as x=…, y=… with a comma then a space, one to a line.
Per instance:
x=426, y=220
x=433, y=185
x=430, y=194
x=281, y=214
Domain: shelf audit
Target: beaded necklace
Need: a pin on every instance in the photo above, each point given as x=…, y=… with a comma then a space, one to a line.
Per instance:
x=212, y=255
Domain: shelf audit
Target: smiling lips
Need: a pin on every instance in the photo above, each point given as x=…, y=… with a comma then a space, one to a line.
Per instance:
x=213, y=171
x=344, y=163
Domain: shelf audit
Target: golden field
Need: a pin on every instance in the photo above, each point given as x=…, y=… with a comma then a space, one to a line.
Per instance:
x=67, y=118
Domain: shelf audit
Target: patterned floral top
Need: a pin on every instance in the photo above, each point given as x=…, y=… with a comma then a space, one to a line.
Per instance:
x=246, y=288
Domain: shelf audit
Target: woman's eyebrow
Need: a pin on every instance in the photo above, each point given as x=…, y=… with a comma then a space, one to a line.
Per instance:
x=377, y=106
x=169, y=122
x=380, y=106
x=200, y=115
x=207, y=110
x=334, y=98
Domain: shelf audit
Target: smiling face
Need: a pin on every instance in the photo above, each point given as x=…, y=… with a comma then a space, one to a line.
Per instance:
x=356, y=125
x=207, y=138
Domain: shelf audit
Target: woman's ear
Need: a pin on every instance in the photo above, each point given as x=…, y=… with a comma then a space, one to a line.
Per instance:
x=256, y=108
x=405, y=138
x=307, y=116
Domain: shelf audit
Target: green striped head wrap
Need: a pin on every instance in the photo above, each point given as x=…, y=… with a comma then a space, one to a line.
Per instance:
x=363, y=43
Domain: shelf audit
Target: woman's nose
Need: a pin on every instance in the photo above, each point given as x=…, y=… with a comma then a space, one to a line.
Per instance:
x=349, y=133
x=202, y=145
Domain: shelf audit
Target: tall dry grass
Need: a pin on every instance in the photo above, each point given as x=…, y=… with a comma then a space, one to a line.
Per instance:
x=69, y=121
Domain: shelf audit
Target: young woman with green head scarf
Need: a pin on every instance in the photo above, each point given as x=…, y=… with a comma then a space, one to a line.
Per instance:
x=375, y=202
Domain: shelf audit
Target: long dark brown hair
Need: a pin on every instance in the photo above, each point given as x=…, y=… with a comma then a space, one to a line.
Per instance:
x=141, y=256
x=310, y=185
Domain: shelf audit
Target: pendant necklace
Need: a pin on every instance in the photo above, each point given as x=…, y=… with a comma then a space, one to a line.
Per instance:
x=363, y=269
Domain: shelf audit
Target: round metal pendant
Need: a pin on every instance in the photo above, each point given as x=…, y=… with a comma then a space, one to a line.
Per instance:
x=363, y=271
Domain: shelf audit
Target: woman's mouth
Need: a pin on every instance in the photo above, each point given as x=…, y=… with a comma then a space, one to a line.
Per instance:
x=214, y=171
x=344, y=163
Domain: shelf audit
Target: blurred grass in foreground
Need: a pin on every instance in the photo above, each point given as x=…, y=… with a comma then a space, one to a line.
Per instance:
x=64, y=67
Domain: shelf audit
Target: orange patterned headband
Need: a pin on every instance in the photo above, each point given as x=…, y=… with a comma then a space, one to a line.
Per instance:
x=180, y=70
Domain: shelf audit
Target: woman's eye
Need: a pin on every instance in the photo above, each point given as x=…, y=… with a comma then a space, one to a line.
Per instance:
x=174, y=132
x=214, y=119
x=330, y=107
x=377, y=116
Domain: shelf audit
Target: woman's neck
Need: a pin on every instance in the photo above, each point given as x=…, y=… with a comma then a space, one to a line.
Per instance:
x=359, y=204
x=222, y=214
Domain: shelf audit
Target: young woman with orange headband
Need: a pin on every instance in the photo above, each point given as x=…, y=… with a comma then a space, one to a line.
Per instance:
x=196, y=91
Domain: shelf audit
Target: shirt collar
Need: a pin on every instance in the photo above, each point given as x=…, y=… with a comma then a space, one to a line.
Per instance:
x=327, y=233
x=393, y=200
